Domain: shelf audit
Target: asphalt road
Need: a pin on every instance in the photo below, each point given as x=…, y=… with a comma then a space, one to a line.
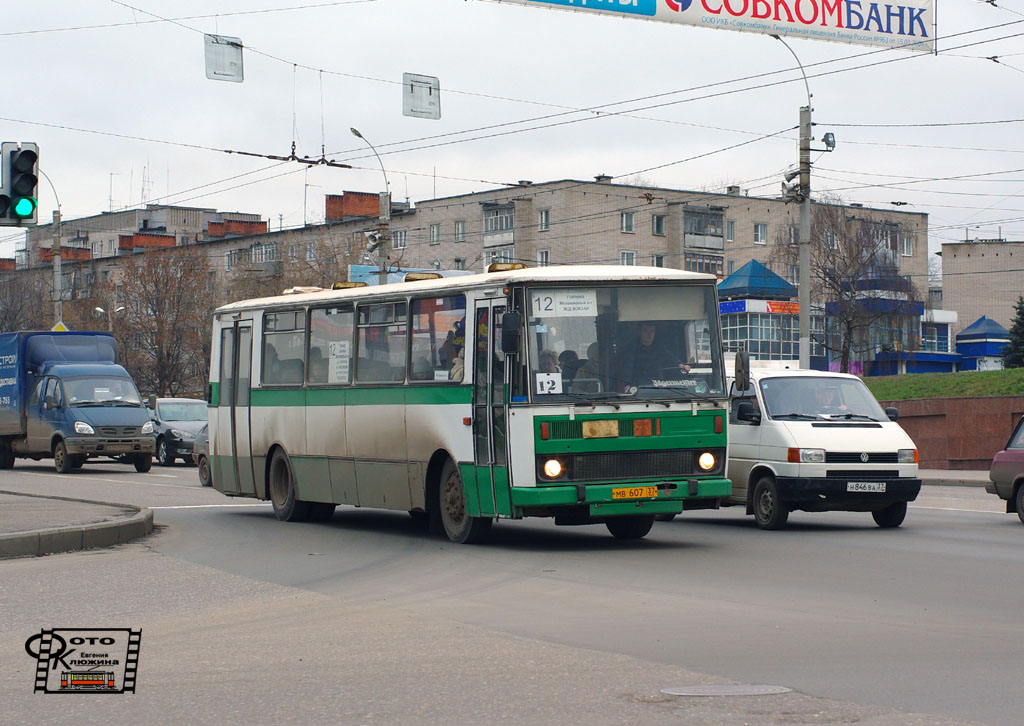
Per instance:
x=369, y=619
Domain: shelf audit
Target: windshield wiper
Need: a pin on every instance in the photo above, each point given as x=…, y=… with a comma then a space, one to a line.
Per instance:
x=860, y=416
x=115, y=402
x=798, y=416
x=86, y=403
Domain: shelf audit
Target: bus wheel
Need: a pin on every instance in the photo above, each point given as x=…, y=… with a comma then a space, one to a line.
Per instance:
x=891, y=516
x=630, y=527
x=769, y=511
x=282, y=491
x=460, y=527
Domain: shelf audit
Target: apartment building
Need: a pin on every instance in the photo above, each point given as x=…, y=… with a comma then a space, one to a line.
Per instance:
x=982, y=277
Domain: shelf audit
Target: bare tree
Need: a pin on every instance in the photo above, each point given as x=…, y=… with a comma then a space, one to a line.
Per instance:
x=855, y=276
x=26, y=300
x=164, y=331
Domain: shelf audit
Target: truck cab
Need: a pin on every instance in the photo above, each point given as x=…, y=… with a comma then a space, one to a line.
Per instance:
x=817, y=441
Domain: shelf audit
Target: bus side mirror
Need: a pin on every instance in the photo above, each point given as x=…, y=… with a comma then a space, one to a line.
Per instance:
x=745, y=412
x=742, y=372
x=510, y=325
x=892, y=412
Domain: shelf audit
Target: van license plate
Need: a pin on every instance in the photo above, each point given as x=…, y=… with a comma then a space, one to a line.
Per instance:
x=865, y=486
x=118, y=448
x=634, y=492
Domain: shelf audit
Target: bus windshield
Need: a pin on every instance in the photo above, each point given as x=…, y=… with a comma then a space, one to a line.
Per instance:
x=655, y=341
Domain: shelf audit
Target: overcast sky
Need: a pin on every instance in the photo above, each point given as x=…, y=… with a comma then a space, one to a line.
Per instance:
x=123, y=113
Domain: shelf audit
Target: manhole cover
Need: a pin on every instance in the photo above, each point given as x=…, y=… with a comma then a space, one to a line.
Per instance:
x=735, y=689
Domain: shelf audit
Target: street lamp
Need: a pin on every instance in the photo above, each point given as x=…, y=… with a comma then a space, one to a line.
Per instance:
x=384, y=219
x=110, y=322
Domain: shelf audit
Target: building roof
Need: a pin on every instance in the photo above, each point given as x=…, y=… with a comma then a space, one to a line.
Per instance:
x=983, y=327
x=755, y=280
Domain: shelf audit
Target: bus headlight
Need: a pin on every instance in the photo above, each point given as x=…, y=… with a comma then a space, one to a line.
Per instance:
x=81, y=427
x=907, y=456
x=552, y=468
x=706, y=461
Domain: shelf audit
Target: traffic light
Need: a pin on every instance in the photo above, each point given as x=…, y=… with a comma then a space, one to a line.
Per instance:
x=18, y=195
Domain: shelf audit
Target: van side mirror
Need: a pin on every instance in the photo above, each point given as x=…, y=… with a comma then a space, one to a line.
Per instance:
x=745, y=412
x=151, y=402
x=510, y=333
x=892, y=412
x=50, y=403
x=742, y=370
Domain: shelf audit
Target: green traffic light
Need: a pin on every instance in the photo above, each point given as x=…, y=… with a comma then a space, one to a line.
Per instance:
x=24, y=207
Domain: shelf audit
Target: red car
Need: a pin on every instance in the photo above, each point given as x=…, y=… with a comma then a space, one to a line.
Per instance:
x=1007, y=472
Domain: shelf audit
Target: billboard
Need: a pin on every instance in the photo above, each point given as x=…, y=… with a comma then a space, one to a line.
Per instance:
x=910, y=26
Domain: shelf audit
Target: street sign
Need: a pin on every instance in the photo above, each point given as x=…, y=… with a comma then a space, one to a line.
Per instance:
x=909, y=26
x=421, y=96
x=60, y=327
x=223, y=58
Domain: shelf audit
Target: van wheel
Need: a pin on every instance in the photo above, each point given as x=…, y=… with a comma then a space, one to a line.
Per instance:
x=769, y=511
x=6, y=456
x=1018, y=500
x=143, y=462
x=891, y=516
x=282, y=491
x=459, y=525
x=77, y=462
x=630, y=527
x=61, y=459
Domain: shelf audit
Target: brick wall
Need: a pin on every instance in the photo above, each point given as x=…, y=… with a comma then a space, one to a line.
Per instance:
x=142, y=239
x=959, y=433
x=7, y=264
x=352, y=204
x=236, y=227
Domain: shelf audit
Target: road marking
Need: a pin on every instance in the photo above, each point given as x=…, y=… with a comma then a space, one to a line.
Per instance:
x=165, y=476
x=960, y=509
x=209, y=506
x=63, y=477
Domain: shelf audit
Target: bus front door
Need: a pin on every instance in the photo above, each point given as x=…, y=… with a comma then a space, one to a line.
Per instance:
x=234, y=473
x=490, y=412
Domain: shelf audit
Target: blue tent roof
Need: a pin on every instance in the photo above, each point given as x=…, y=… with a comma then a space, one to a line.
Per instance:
x=755, y=280
x=983, y=327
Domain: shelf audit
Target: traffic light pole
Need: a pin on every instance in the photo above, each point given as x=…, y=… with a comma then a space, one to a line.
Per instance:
x=58, y=293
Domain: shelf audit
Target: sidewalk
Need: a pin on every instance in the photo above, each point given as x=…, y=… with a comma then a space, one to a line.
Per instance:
x=38, y=525
x=953, y=477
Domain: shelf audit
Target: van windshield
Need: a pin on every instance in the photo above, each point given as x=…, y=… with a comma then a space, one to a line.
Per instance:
x=102, y=391
x=820, y=398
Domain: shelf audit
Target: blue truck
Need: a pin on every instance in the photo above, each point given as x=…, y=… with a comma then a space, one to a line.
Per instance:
x=64, y=396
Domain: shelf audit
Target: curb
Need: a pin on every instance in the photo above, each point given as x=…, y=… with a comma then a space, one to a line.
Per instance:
x=39, y=542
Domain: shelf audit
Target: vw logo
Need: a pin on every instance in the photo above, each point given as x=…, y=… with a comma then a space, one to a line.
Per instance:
x=678, y=6
x=864, y=458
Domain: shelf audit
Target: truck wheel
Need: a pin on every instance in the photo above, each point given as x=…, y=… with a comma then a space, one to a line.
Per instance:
x=6, y=456
x=163, y=454
x=287, y=507
x=630, y=527
x=143, y=462
x=769, y=511
x=459, y=525
x=1018, y=500
x=77, y=462
x=891, y=516
x=61, y=458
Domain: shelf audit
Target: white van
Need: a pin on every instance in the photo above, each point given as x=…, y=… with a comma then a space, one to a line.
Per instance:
x=816, y=441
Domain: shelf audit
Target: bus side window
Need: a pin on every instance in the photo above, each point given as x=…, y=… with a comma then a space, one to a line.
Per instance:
x=381, y=343
x=438, y=338
x=330, y=344
x=284, y=346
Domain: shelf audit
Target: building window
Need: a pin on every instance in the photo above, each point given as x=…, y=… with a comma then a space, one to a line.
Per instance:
x=794, y=234
x=731, y=267
x=710, y=264
x=703, y=223
x=399, y=238
x=730, y=231
x=907, y=247
x=760, y=233
x=627, y=258
x=657, y=260
x=658, y=225
x=543, y=258
x=435, y=234
x=497, y=219
x=500, y=255
x=460, y=230
x=831, y=241
x=310, y=251
x=543, y=220
x=626, y=220
x=793, y=278
x=459, y=264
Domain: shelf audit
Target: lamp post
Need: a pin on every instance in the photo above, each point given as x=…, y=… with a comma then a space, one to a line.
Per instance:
x=110, y=321
x=384, y=218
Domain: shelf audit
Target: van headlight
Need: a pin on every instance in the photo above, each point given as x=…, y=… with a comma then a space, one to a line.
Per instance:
x=706, y=461
x=805, y=456
x=81, y=427
x=907, y=456
x=147, y=428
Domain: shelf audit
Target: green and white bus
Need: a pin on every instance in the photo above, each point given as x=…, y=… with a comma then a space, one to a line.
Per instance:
x=509, y=394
